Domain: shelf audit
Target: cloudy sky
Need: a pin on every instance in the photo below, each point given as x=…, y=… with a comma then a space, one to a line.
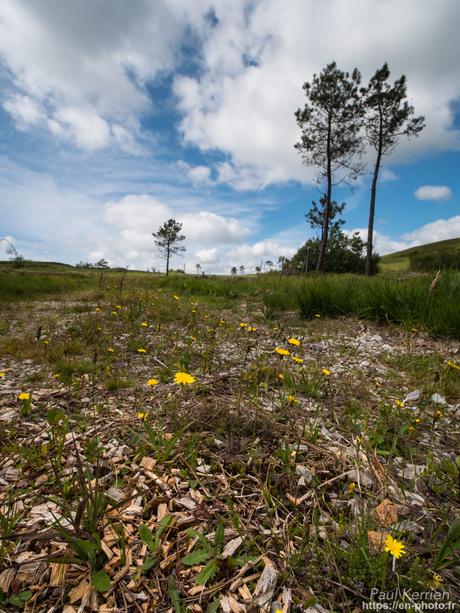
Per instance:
x=116, y=115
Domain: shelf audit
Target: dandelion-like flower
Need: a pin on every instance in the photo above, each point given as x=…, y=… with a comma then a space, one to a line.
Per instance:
x=453, y=365
x=317, y=315
x=326, y=372
x=176, y=297
x=297, y=360
x=394, y=547
x=294, y=341
x=184, y=378
x=24, y=396
x=438, y=414
x=399, y=404
x=152, y=382
x=110, y=349
x=142, y=415
x=292, y=399
x=144, y=324
x=141, y=350
x=281, y=376
x=435, y=582
x=2, y=374
x=282, y=352
x=351, y=487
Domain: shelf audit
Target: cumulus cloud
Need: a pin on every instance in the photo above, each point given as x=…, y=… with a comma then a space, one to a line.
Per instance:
x=258, y=55
x=68, y=58
x=433, y=192
x=208, y=256
x=439, y=230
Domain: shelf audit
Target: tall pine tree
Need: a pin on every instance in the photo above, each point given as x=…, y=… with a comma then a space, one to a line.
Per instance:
x=331, y=141
x=388, y=117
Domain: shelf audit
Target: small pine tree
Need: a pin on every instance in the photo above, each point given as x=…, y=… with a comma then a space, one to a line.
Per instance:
x=168, y=239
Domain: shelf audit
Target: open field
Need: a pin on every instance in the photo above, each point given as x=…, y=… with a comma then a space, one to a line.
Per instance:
x=270, y=478
x=399, y=261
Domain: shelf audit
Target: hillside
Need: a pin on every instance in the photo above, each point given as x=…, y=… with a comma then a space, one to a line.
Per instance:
x=400, y=259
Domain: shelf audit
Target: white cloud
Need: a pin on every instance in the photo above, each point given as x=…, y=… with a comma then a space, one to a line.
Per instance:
x=433, y=192
x=208, y=256
x=382, y=243
x=24, y=110
x=258, y=56
x=67, y=58
x=388, y=175
x=439, y=230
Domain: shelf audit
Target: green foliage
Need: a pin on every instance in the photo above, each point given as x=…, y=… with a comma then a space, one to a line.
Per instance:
x=209, y=553
x=434, y=259
x=344, y=254
x=168, y=239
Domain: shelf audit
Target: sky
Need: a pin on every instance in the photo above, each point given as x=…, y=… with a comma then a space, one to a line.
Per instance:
x=116, y=116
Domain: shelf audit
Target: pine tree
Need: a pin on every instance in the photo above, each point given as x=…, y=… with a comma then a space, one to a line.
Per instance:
x=388, y=117
x=331, y=140
x=168, y=239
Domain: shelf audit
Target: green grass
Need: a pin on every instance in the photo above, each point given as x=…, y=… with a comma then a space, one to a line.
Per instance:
x=390, y=298
x=400, y=261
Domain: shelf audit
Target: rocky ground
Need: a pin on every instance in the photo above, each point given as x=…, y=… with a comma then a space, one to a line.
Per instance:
x=269, y=483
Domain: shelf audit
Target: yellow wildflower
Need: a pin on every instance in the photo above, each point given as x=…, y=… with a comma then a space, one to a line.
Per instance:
x=351, y=487
x=292, y=400
x=326, y=372
x=142, y=415
x=118, y=306
x=176, y=297
x=144, y=324
x=243, y=325
x=141, y=350
x=24, y=396
x=297, y=360
x=438, y=414
x=183, y=378
x=399, y=404
x=114, y=312
x=281, y=351
x=435, y=582
x=394, y=547
x=281, y=376
x=2, y=374
x=110, y=349
x=451, y=364
x=153, y=382
x=193, y=310
x=293, y=341
x=193, y=338
x=317, y=315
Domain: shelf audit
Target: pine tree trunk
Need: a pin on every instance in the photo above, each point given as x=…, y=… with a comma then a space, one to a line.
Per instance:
x=325, y=229
x=370, y=225
x=167, y=261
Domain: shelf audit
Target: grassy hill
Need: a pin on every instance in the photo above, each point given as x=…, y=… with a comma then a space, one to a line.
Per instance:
x=400, y=260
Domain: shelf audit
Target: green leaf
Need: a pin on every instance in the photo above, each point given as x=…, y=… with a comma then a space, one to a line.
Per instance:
x=207, y=573
x=220, y=535
x=147, y=538
x=174, y=596
x=201, y=537
x=452, y=542
x=19, y=600
x=148, y=563
x=196, y=557
x=101, y=581
x=164, y=523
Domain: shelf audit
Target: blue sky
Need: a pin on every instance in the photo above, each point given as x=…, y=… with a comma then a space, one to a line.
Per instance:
x=115, y=116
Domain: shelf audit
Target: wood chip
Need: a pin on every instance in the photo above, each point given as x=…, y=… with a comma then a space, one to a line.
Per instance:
x=231, y=547
x=266, y=585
